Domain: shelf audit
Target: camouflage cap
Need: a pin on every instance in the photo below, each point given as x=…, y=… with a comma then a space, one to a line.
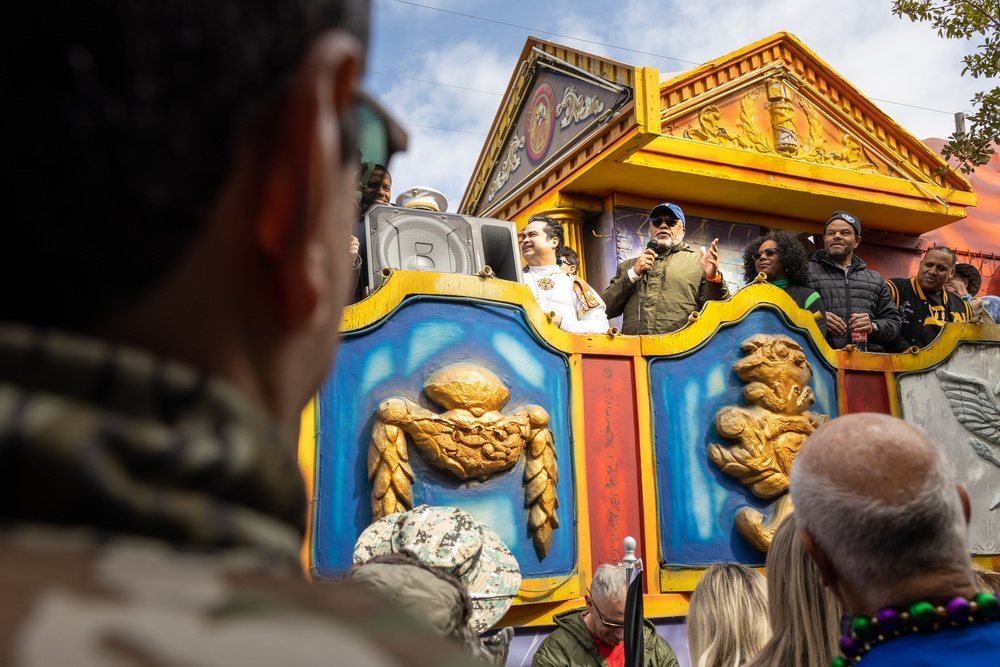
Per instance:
x=451, y=539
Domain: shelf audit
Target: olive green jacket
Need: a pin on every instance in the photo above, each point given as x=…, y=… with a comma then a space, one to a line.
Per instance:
x=665, y=296
x=572, y=645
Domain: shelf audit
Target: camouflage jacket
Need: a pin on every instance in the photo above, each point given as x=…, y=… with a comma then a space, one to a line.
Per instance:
x=151, y=515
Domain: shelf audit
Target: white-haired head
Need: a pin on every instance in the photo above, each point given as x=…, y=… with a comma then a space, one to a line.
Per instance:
x=609, y=584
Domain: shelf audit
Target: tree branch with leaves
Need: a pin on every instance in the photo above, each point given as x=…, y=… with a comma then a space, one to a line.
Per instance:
x=967, y=20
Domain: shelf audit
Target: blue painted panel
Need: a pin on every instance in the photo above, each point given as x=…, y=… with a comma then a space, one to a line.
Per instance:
x=395, y=358
x=697, y=502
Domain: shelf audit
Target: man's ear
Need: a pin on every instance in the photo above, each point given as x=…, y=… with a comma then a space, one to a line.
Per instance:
x=966, y=506
x=858, y=242
x=827, y=574
x=295, y=198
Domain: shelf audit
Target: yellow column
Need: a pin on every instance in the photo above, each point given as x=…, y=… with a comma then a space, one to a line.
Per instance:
x=571, y=220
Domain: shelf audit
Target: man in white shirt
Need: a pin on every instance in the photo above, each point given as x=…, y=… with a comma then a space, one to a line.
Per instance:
x=576, y=306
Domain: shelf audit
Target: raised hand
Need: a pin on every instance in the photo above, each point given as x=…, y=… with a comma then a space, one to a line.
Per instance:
x=709, y=260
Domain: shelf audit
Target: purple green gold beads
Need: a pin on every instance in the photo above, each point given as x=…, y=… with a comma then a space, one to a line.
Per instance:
x=889, y=619
x=864, y=628
x=989, y=606
x=923, y=615
x=959, y=610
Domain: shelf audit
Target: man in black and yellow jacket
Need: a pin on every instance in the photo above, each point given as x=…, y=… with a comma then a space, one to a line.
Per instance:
x=925, y=306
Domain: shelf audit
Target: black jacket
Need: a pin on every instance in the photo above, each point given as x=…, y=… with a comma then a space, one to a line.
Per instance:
x=802, y=297
x=924, y=315
x=858, y=290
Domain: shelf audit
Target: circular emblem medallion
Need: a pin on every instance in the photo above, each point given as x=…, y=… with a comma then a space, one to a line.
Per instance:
x=540, y=125
x=545, y=283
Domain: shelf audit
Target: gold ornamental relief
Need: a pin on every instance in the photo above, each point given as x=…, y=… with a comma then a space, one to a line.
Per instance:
x=769, y=431
x=471, y=439
x=780, y=134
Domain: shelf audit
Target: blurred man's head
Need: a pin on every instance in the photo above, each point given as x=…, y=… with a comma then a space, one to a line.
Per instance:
x=605, y=615
x=936, y=269
x=186, y=178
x=878, y=509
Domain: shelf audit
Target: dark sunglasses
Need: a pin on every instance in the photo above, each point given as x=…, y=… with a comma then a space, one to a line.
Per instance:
x=671, y=222
x=770, y=252
x=379, y=136
x=600, y=617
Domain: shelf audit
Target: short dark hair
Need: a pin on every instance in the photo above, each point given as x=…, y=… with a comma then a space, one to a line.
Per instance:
x=793, y=258
x=569, y=256
x=553, y=230
x=946, y=250
x=123, y=133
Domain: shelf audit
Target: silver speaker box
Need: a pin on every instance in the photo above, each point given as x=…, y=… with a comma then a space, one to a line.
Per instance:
x=419, y=240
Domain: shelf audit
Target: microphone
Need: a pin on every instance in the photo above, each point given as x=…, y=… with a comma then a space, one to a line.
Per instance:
x=653, y=245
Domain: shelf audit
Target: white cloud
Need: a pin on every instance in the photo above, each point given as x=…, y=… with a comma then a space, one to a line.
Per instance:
x=886, y=58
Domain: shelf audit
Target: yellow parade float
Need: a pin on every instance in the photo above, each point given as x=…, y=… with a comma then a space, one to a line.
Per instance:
x=455, y=388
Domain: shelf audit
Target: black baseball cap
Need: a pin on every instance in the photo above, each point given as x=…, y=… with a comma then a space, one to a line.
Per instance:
x=850, y=219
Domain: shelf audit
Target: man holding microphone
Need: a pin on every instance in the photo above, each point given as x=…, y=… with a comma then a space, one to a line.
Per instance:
x=658, y=291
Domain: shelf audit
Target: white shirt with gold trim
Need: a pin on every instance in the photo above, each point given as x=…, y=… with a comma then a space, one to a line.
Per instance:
x=579, y=305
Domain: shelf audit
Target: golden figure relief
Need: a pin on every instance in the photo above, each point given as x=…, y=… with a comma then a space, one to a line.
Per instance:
x=785, y=137
x=540, y=125
x=782, y=117
x=471, y=440
x=769, y=432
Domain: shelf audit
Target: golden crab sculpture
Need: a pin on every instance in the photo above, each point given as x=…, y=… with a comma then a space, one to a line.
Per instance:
x=472, y=439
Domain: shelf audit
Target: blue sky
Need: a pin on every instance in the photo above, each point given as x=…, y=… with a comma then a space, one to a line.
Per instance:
x=442, y=66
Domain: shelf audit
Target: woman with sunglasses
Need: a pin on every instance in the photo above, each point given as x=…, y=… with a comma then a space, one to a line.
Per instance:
x=782, y=259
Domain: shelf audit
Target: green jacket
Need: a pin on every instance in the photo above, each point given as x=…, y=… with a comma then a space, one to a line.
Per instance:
x=665, y=296
x=572, y=645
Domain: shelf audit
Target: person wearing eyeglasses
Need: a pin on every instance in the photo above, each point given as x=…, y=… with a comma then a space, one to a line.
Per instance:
x=782, y=259
x=569, y=261
x=656, y=292
x=593, y=636
x=858, y=303
x=175, y=264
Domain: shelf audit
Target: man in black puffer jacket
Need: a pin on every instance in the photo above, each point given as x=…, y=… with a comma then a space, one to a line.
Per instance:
x=857, y=299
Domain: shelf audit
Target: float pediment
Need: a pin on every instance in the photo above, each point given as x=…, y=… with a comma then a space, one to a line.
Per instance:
x=776, y=116
x=556, y=98
x=776, y=105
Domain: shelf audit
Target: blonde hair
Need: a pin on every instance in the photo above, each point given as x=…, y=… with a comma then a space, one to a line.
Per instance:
x=727, y=618
x=805, y=614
